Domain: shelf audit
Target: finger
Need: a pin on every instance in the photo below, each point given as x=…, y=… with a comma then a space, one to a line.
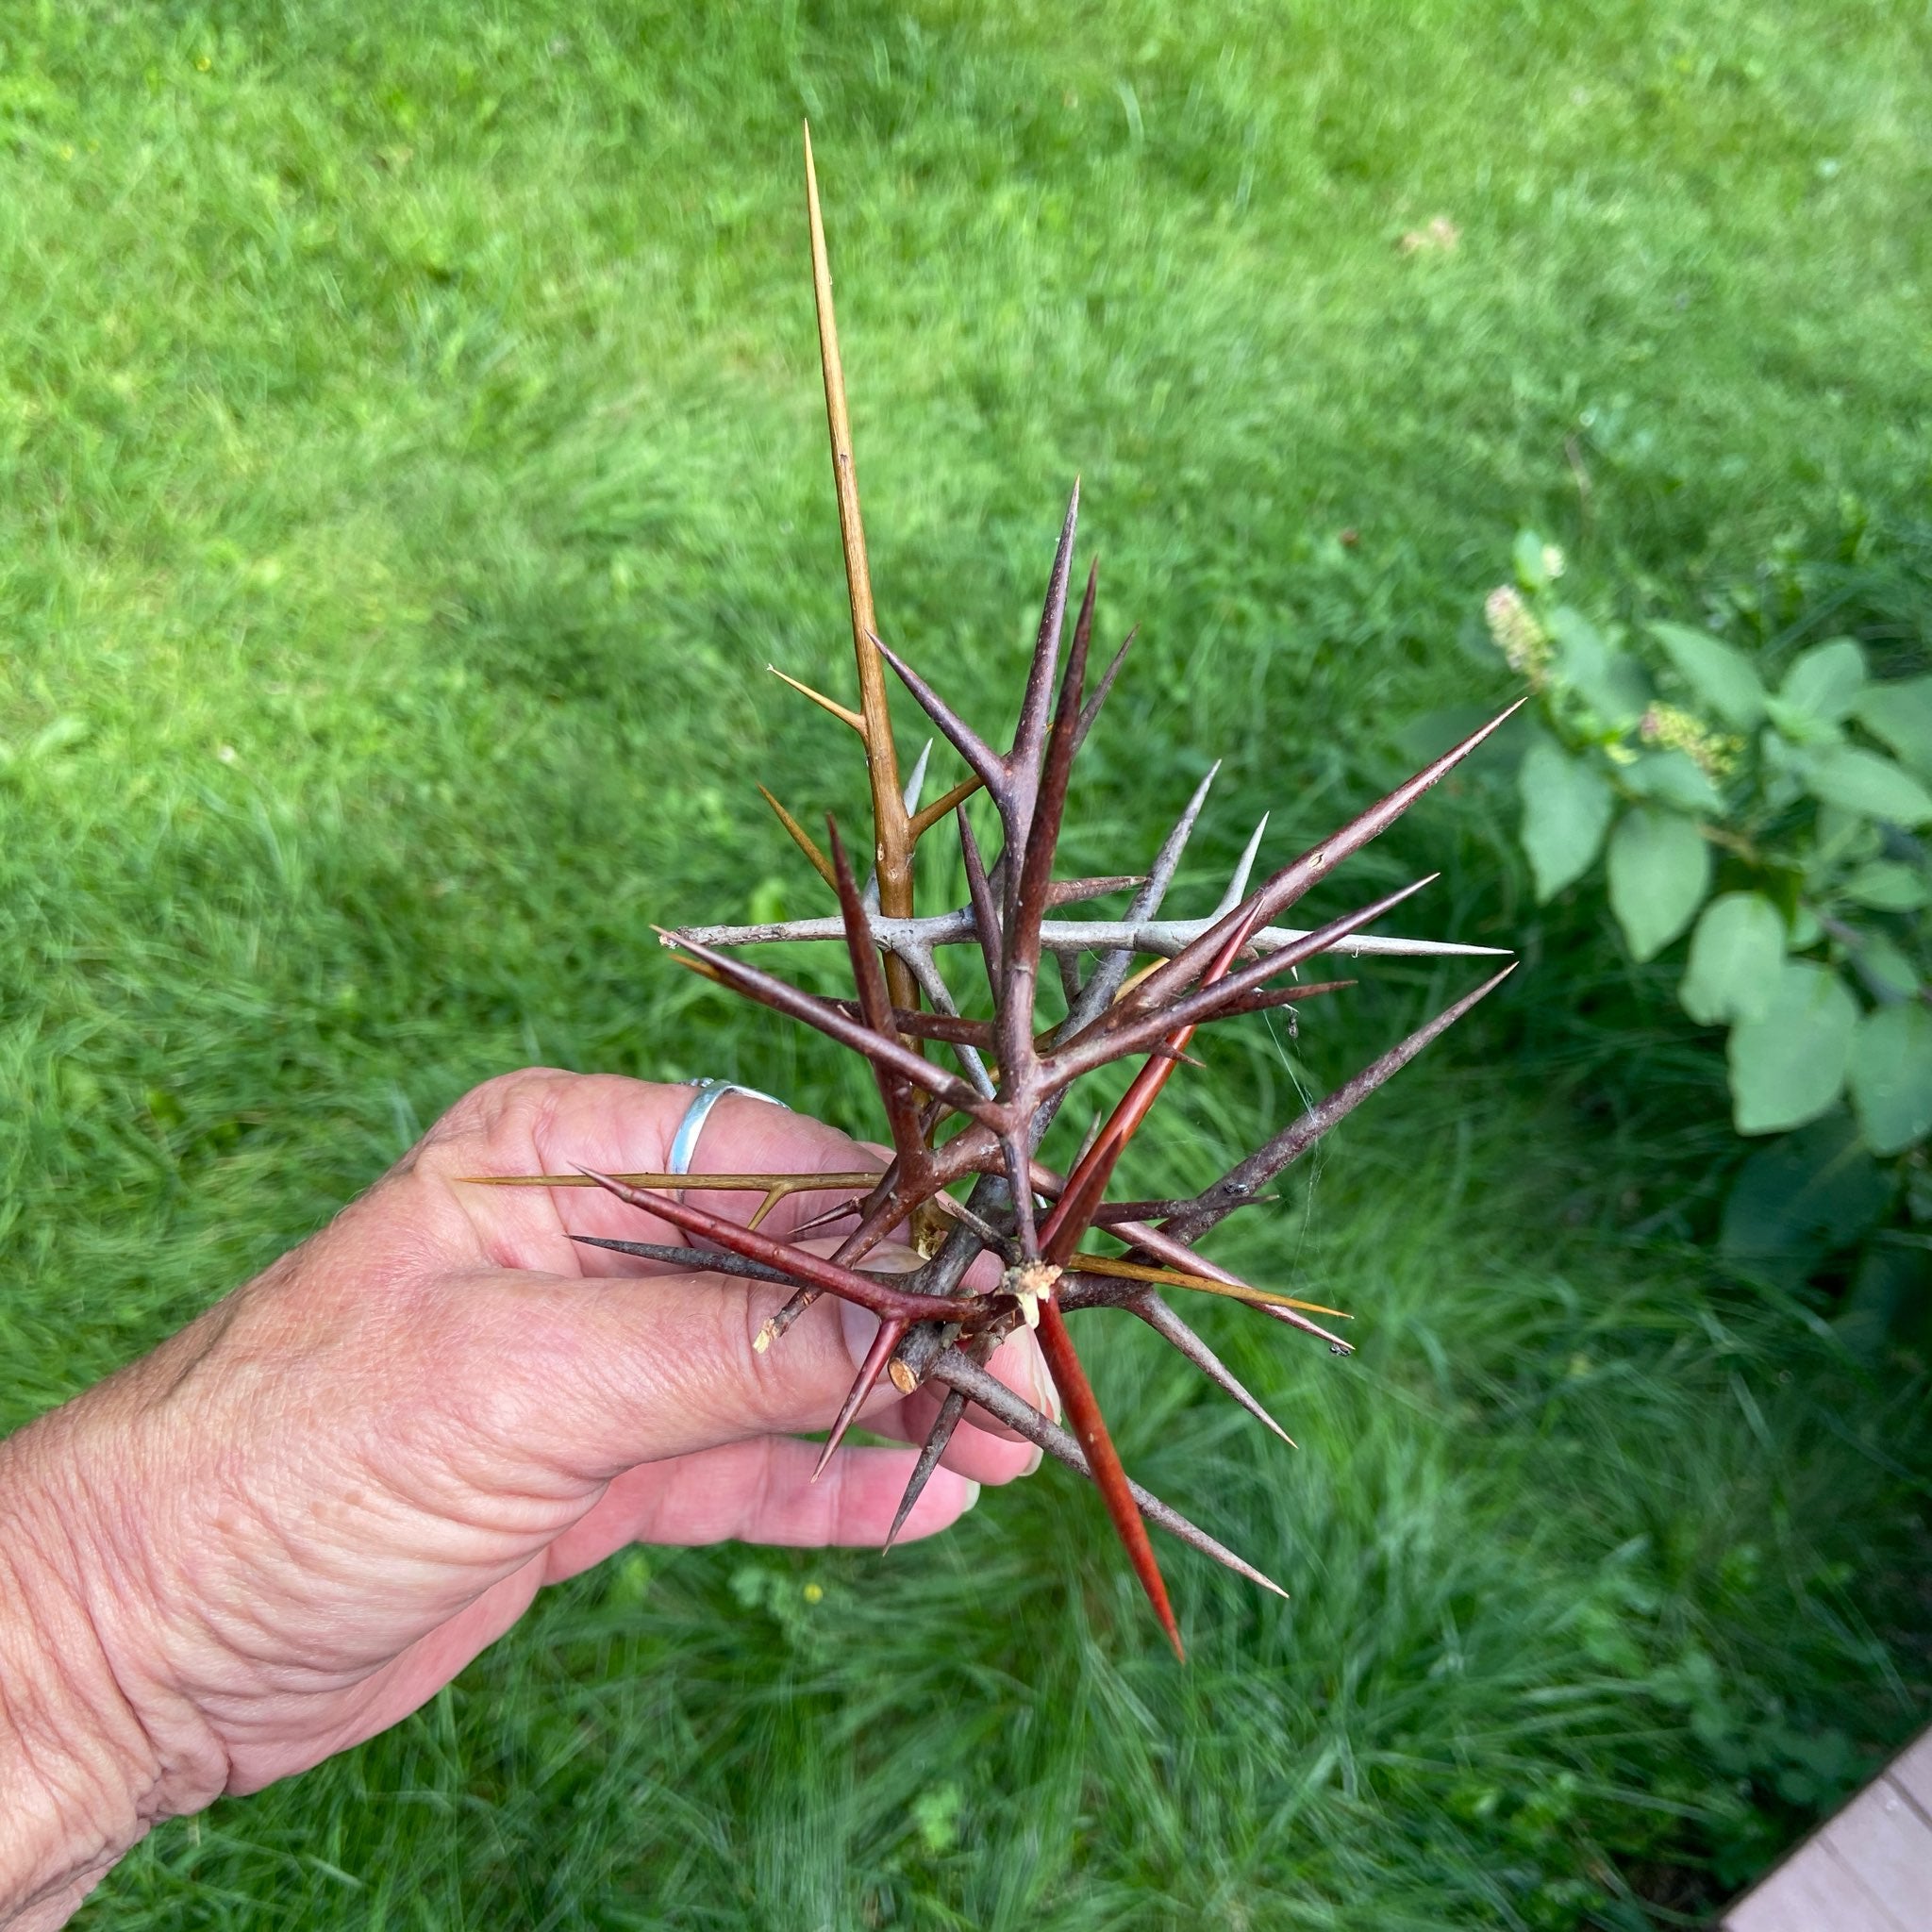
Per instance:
x=1018, y=1364
x=984, y=1449
x=592, y=1378
x=544, y=1122
x=760, y=1492
x=978, y=1452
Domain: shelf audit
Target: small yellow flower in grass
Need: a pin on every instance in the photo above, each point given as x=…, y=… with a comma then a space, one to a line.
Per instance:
x=202, y=63
x=1676, y=729
x=814, y=1592
x=1520, y=638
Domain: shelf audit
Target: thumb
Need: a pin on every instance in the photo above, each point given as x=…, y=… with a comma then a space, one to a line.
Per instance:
x=608, y=1372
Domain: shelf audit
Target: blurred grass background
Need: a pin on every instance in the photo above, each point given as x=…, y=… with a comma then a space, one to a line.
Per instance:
x=413, y=454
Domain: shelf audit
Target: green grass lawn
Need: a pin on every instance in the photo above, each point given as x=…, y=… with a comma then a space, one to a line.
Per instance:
x=411, y=455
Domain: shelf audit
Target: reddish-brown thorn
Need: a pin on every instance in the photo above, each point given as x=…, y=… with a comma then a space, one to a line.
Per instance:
x=876, y=1359
x=958, y=1371
x=948, y=1028
x=698, y=1260
x=986, y=918
x=779, y=994
x=985, y=761
x=876, y=1007
x=1172, y=1329
x=1109, y=1477
x=1019, y=983
x=1104, y=982
x=1129, y=1026
x=951, y=1409
x=1030, y=734
x=1243, y=1182
x=1091, y=710
x=1087, y=1185
x=1277, y=893
x=811, y=1270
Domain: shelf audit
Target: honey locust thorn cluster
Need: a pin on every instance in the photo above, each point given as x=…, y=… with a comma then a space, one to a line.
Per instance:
x=1135, y=988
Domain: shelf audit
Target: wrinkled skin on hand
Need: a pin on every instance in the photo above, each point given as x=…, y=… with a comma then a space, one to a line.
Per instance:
x=301, y=1516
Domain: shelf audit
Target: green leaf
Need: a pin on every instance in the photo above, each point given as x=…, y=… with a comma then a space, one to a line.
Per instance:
x=1840, y=838
x=1737, y=954
x=1611, y=681
x=1788, y=1065
x=1798, y=1199
x=1868, y=782
x=1659, y=873
x=1800, y=727
x=1672, y=777
x=1566, y=807
x=1778, y=775
x=1824, y=683
x=1900, y=715
x=1884, y=968
x=1890, y=1298
x=1891, y=1076
x=1887, y=885
x=1720, y=673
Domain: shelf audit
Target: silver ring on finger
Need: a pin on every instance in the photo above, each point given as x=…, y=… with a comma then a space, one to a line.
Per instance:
x=705, y=1094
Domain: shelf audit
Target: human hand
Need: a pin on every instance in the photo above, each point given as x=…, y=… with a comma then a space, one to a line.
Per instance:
x=298, y=1519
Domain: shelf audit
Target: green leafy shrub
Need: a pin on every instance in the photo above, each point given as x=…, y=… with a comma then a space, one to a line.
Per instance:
x=1767, y=809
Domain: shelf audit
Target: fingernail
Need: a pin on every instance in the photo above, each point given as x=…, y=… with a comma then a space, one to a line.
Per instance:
x=1034, y=1461
x=858, y=1327
x=1046, y=1398
x=972, y=1495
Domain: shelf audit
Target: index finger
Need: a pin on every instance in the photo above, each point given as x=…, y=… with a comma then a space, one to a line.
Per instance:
x=546, y=1121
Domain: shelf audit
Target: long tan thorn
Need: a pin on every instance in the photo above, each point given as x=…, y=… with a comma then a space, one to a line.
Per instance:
x=802, y=838
x=1174, y=1277
x=928, y=816
x=893, y=843
x=844, y=713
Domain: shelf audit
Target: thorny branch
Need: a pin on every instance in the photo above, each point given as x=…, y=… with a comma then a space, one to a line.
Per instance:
x=1152, y=982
